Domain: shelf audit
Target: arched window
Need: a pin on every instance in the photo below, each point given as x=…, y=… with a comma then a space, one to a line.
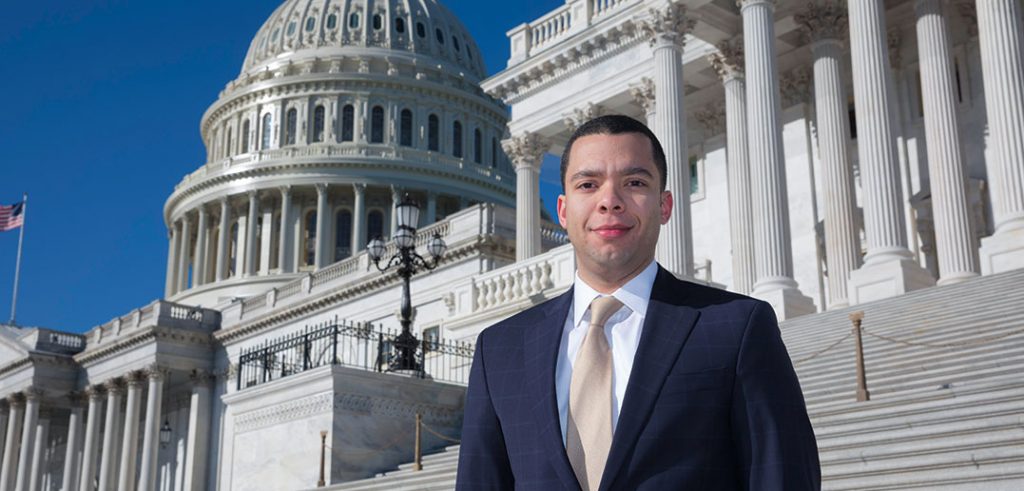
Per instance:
x=309, y=239
x=457, y=139
x=377, y=22
x=318, y=124
x=399, y=25
x=342, y=235
x=421, y=30
x=377, y=125
x=232, y=249
x=268, y=122
x=455, y=43
x=291, y=122
x=374, y=225
x=227, y=144
x=433, y=130
x=440, y=35
x=310, y=24
x=348, y=119
x=478, y=151
x=353, y=20
x=291, y=28
x=332, y=21
x=469, y=52
x=494, y=152
x=245, y=136
x=405, y=133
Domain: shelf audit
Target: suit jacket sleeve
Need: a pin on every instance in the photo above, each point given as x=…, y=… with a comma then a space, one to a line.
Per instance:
x=483, y=460
x=771, y=429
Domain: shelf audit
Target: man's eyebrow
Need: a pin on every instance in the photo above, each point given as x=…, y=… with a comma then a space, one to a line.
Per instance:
x=585, y=173
x=637, y=170
x=629, y=171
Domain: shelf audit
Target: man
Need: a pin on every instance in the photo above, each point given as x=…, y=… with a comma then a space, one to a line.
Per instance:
x=632, y=379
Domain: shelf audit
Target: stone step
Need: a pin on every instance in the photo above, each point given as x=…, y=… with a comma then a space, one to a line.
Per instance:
x=869, y=414
x=995, y=473
x=920, y=433
x=848, y=402
x=990, y=438
x=421, y=480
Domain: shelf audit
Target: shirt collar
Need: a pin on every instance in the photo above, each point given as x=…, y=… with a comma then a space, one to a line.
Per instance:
x=635, y=294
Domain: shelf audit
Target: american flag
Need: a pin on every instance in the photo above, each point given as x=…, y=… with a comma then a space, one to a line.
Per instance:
x=12, y=217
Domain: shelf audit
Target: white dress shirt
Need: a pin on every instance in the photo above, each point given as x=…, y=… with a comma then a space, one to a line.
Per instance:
x=622, y=330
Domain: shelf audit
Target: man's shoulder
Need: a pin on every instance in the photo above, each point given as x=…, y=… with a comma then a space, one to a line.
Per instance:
x=696, y=295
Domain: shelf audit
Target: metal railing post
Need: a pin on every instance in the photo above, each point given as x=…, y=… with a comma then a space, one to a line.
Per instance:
x=862, y=383
x=418, y=463
x=305, y=351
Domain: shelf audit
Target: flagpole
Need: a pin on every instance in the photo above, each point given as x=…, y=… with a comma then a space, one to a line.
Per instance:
x=17, y=265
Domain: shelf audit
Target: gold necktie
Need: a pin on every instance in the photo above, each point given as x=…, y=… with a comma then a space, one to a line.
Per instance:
x=588, y=433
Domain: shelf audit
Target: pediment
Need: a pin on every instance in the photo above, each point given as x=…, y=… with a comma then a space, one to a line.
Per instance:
x=10, y=348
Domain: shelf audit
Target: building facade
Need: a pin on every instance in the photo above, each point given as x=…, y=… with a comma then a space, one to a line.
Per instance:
x=832, y=155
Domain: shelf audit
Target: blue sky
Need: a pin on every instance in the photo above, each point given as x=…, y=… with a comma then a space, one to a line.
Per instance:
x=101, y=120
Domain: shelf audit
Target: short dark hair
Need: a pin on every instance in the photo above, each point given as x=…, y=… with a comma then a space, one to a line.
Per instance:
x=617, y=124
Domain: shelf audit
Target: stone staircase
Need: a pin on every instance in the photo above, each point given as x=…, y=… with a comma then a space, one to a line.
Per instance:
x=945, y=370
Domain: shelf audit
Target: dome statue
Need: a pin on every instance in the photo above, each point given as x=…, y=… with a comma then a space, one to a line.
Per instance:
x=340, y=110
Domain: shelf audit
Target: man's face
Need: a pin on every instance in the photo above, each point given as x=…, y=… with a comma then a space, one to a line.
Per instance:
x=613, y=207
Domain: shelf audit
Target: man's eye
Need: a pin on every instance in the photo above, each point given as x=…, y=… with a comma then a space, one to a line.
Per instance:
x=585, y=185
x=636, y=182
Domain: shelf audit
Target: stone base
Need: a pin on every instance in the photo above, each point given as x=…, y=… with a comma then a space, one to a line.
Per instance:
x=887, y=279
x=1002, y=252
x=787, y=301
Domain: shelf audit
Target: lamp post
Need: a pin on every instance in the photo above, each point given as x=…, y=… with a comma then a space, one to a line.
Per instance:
x=408, y=262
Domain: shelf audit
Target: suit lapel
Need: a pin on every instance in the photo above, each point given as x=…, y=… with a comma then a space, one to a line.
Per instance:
x=667, y=325
x=541, y=342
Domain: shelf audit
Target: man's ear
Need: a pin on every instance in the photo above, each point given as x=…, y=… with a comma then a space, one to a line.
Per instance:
x=666, y=206
x=561, y=210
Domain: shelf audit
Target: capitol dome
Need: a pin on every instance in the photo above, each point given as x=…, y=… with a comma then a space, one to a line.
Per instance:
x=340, y=110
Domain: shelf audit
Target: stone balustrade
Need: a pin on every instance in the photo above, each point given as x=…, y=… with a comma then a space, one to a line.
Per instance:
x=158, y=312
x=576, y=15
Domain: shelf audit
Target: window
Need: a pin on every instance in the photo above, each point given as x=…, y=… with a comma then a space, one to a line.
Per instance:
x=273, y=36
x=421, y=30
x=291, y=122
x=374, y=225
x=455, y=43
x=694, y=177
x=309, y=239
x=399, y=25
x=256, y=247
x=342, y=235
x=310, y=24
x=377, y=125
x=433, y=128
x=494, y=152
x=268, y=121
x=457, y=139
x=245, y=136
x=353, y=21
x=291, y=28
x=318, y=124
x=233, y=249
x=332, y=21
x=440, y=35
x=478, y=152
x=227, y=144
x=377, y=22
x=348, y=117
x=431, y=338
x=469, y=52
x=405, y=133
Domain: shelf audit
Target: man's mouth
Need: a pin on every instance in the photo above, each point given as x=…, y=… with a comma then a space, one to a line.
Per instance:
x=611, y=231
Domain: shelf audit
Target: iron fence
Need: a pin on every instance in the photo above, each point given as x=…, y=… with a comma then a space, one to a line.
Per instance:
x=355, y=345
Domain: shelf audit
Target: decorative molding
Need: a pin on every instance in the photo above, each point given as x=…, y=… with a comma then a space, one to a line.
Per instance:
x=728, y=60
x=288, y=411
x=579, y=116
x=643, y=94
x=668, y=24
x=821, y=21
x=526, y=150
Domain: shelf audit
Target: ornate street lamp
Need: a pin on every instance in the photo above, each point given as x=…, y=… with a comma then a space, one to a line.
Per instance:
x=165, y=434
x=407, y=261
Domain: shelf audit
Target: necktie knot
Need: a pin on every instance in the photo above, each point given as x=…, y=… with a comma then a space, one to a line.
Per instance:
x=602, y=308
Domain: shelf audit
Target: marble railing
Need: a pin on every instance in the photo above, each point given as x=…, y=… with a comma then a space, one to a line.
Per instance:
x=575, y=16
x=343, y=150
x=157, y=313
x=554, y=234
x=58, y=342
x=459, y=229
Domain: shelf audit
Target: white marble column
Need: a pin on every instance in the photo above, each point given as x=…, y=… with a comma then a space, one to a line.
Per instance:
x=954, y=235
x=184, y=254
x=92, y=435
x=171, y=283
x=826, y=26
x=198, y=431
x=108, y=455
x=773, y=255
x=199, y=265
x=130, y=437
x=4, y=416
x=728, y=62
x=643, y=95
x=431, y=215
x=26, y=463
x=286, y=260
x=15, y=423
x=41, y=436
x=889, y=268
x=666, y=27
x=73, y=444
x=250, y=232
x=221, y=266
x=151, y=430
x=266, y=240
x=1001, y=36
x=526, y=152
x=323, y=212
x=359, y=218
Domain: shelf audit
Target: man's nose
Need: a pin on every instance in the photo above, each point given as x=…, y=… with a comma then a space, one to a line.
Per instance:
x=611, y=199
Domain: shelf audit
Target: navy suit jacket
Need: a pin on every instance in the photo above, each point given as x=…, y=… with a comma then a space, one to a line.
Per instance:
x=712, y=403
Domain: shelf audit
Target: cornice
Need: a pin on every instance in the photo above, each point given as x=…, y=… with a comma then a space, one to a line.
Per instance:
x=38, y=358
x=485, y=244
x=153, y=333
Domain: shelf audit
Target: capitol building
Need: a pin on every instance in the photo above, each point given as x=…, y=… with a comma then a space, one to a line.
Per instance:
x=863, y=157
